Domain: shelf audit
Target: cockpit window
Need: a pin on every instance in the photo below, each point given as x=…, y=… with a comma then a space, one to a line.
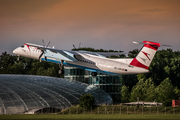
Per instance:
x=22, y=46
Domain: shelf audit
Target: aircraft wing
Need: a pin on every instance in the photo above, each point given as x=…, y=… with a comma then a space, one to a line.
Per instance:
x=109, y=54
x=69, y=55
x=102, y=54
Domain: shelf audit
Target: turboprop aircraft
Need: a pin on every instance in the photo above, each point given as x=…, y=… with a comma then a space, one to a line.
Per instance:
x=92, y=61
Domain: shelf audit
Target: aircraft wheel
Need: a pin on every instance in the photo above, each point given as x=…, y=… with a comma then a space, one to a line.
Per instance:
x=94, y=73
x=61, y=72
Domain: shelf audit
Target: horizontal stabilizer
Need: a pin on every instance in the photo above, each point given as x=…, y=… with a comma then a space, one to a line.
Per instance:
x=151, y=43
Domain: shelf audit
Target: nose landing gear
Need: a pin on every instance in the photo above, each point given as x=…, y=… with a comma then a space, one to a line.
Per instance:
x=61, y=71
x=18, y=58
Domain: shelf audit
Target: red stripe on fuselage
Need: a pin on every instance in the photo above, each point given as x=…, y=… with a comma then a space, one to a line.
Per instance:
x=136, y=63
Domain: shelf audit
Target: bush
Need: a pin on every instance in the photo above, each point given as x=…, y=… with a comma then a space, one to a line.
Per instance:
x=87, y=101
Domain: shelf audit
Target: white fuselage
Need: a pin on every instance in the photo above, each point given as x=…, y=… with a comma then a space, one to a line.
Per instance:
x=118, y=66
x=86, y=61
x=28, y=51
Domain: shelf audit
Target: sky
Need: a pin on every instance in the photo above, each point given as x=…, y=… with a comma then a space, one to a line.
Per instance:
x=100, y=24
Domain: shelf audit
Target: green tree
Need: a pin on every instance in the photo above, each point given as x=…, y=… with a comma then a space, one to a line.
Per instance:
x=87, y=101
x=125, y=94
x=10, y=65
x=141, y=76
x=151, y=93
x=177, y=92
x=6, y=61
x=17, y=68
x=165, y=92
x=129, y=80
x=44, y=68
x=137, y=91
x=144, y=89
x=165, y=65
x=133, y=53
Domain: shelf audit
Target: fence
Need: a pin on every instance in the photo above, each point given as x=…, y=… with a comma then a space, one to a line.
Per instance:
x=122, y=110
x=109, y=109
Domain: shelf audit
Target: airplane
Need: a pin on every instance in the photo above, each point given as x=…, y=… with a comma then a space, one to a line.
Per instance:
x=92, y=61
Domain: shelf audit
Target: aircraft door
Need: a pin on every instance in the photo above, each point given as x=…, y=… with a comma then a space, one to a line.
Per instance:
x=28, y=52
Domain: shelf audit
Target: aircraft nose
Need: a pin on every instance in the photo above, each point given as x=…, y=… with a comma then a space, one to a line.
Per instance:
x=15, y=51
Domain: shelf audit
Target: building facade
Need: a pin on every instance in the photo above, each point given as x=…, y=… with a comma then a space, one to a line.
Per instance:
x=111, y=84
x=28, y=93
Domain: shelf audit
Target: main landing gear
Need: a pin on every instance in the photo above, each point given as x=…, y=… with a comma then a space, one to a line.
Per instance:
x=94, y=74
x=61, y=71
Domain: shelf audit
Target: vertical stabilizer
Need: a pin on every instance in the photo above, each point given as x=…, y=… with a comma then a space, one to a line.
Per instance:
x=146, y=55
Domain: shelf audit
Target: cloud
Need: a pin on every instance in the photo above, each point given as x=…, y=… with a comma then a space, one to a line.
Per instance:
x=112, y=23
x=154, y=10
x=22, y=8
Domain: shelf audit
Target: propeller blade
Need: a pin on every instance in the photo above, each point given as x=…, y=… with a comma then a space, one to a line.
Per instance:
x=166, y=45
x=137, y=42
x=43, y=43
x=48, y=44
x=41, y=55
x=79, y=45
x=74, y=46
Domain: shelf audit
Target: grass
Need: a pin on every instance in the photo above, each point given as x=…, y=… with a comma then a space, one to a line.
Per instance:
x=114, y=112
x=91, y=117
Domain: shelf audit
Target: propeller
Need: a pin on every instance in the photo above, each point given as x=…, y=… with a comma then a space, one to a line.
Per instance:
x=43, y=50
x=44, y=44
x=78, y=46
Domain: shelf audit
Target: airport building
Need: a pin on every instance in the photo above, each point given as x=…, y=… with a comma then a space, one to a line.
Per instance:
x=29, y=93
x=111, y=84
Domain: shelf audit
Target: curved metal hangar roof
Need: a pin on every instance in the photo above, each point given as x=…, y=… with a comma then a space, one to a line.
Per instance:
x=20, y=93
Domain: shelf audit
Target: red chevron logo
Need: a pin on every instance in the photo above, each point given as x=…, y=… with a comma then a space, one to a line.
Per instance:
x=146, y=54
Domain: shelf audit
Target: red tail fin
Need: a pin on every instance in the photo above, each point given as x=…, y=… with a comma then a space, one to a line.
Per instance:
x=146, y=55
